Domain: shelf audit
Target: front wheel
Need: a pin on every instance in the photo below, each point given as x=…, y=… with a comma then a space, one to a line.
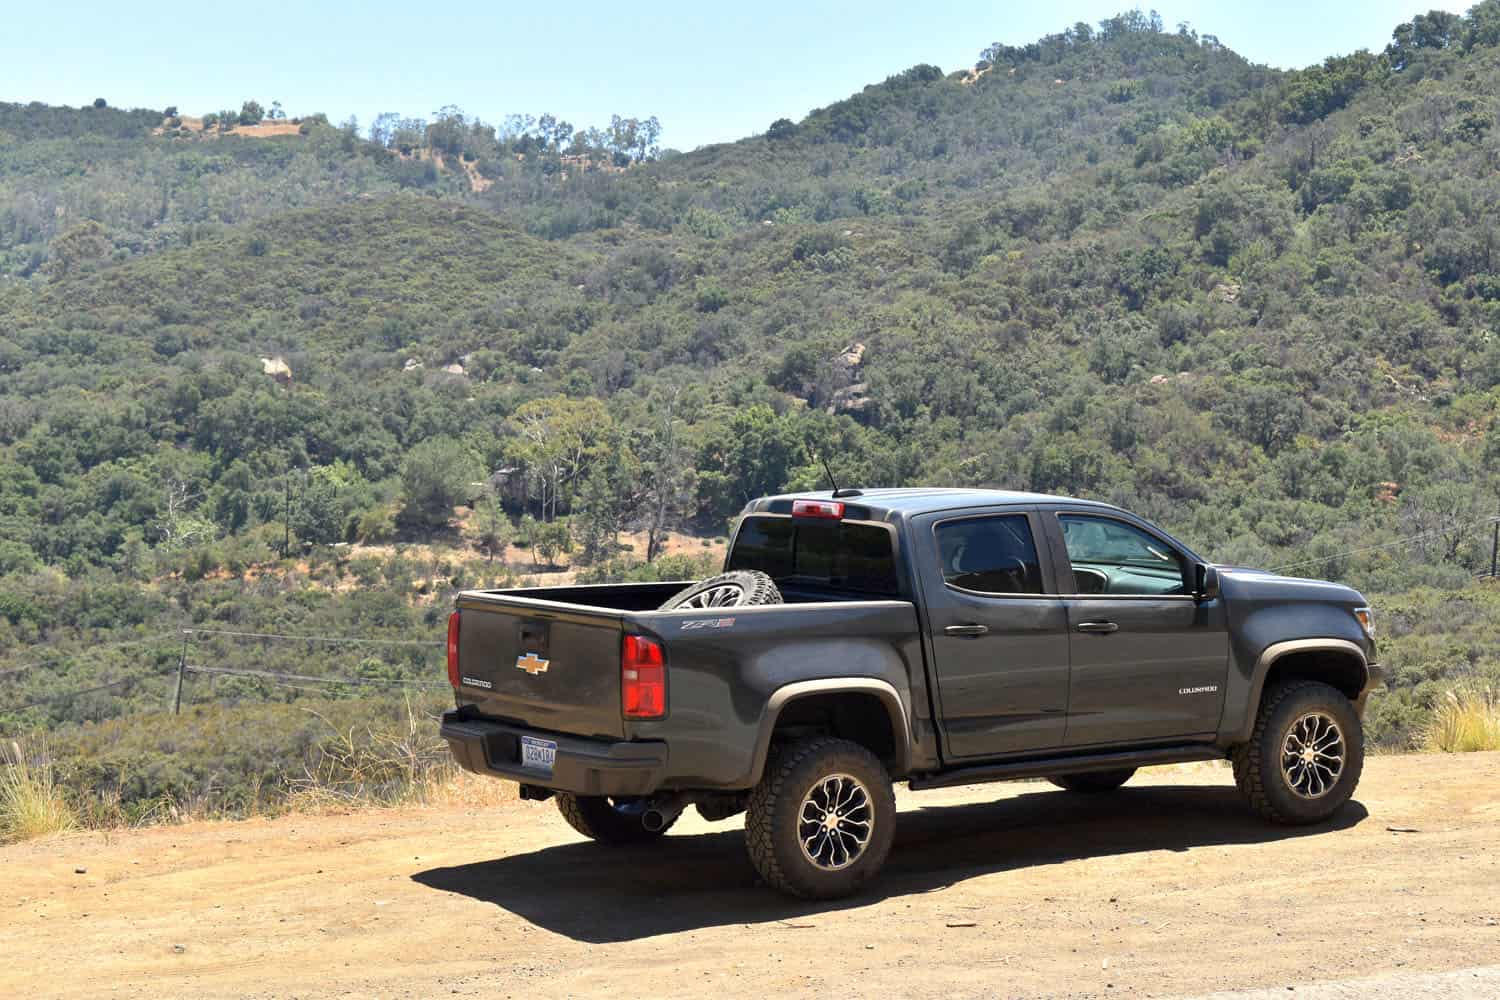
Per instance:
x=608, y=820
x=1093, y=782
x=1305, y=756
x=821, y=822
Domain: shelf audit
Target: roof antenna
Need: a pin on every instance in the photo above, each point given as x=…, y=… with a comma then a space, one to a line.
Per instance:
x=837, y=493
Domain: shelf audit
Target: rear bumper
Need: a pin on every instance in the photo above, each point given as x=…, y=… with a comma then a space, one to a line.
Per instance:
x=583, y=766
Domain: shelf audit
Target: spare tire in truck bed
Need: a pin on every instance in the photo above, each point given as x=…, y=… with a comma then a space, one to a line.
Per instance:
x=738, y=589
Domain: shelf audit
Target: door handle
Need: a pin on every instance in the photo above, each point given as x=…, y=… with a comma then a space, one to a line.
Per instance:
x=969, y=630
x=1101, y=628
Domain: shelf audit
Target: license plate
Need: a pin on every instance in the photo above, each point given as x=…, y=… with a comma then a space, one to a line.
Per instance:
x=538, y=755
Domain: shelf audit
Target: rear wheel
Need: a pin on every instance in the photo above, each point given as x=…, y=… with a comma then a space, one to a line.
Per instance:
x=1305, y=756
x=1093, y=782
x=608, y=820
x=821, y=821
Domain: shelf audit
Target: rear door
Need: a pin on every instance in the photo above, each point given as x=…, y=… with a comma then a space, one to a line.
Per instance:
x=543, y=664
x=1148, y=658
x=999, y=641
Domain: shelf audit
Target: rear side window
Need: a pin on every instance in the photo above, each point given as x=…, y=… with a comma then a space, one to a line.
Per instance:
x=991, y=555
x=837, y=554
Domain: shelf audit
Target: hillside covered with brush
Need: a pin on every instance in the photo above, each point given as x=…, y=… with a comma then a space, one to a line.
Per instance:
x=237, y=372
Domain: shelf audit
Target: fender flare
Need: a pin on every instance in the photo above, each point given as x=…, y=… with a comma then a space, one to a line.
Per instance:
x=895, y=709
x=1276, y=651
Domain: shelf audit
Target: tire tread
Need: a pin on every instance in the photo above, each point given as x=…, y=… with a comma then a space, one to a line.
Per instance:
x=759, y=589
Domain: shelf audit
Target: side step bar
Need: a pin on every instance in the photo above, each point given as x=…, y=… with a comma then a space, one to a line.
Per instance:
x=1045, y=767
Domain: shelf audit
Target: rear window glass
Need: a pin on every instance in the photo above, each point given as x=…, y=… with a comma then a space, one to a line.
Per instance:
x=834, y=554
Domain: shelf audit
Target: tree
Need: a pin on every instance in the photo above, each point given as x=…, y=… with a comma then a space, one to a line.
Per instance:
x=78, y=247
x=1437, y=29
x=318, y=512
x=553, y=132
x=526, y=534
x=276, y=114
x=558, y=435
x=409, y=134
x=668, y=479
x=781, y=128
x=608, y=499
x=383, y=129
x=100, y=102
x=448, y=129
x=492, y=528
x=251, y=113
x=435, y=478
x=633, y=140
x=551, y=539
x=178, y=524
x=753, y=455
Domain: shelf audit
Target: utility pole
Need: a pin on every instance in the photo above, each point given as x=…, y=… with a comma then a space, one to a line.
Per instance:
x=181, y=673
x=286, y=541
x=1495, y=550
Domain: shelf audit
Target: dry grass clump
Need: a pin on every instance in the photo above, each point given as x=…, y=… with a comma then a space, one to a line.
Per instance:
x=1464, y=721
x=405, y=765
x=31, y=803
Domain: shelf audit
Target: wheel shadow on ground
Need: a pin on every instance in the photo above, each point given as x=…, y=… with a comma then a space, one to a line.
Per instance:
x=599, y=894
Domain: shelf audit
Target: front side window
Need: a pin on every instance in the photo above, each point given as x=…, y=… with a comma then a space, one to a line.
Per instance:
x=990, y=555
x=1112, y=557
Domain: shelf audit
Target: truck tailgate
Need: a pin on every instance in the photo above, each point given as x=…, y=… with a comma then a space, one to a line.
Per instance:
x=544, y=664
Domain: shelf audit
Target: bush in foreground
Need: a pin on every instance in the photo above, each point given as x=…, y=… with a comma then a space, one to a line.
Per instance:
x=1464, y=721
x=31, y=803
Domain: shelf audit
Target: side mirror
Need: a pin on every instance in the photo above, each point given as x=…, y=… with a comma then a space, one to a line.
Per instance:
x=1208, y=582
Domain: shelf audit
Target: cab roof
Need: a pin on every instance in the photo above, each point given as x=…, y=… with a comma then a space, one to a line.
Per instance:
x=911, y=501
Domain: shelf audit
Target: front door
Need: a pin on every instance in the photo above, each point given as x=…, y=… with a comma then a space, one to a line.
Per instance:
x=999, y=640
x=1149, y=659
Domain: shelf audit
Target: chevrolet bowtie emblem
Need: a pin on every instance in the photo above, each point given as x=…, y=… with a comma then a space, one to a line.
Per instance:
x=532, y=664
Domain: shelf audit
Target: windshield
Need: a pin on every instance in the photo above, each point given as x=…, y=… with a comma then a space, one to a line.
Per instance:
x=838, y=554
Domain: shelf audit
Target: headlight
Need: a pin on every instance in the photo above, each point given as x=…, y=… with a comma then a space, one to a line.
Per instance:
x=1366, y=620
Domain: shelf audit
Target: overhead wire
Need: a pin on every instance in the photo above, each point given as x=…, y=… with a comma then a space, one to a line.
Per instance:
x=77, y=693
x=308, y=678
x=352, y=640
x=60, y=657
x=1398, y=543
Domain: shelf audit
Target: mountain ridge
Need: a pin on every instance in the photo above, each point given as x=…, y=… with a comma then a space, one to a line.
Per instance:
x=1261, y=307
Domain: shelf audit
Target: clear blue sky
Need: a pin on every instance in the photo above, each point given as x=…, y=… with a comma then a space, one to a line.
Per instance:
x=710, y=72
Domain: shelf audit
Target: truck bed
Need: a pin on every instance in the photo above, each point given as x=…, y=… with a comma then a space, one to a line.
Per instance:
x=549, y=659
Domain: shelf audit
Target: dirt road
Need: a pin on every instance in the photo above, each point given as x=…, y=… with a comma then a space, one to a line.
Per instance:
x=1168, y=888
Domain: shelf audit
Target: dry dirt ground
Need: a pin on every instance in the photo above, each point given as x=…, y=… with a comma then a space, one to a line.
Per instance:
x=1167, y=888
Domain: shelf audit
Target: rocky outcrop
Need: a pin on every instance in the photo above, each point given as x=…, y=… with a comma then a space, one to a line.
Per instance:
x=278, y=369
x=849, y=389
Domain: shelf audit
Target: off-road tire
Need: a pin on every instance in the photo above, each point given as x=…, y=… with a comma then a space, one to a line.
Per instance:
x=754, y=588
x=598, y=818
x=1258, y=763
x=771, y=820
x=1093, y=782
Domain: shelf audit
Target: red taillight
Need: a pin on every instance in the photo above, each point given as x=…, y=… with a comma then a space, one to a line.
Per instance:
x=453, y=649
x=643, y=679
x=831, y=509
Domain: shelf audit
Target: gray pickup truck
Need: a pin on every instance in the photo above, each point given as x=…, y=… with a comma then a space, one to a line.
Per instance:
x=934, y=636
